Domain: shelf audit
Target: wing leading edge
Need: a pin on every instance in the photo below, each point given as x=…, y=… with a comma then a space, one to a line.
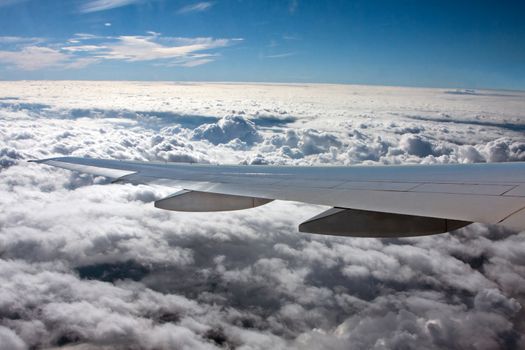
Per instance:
x=370, y=201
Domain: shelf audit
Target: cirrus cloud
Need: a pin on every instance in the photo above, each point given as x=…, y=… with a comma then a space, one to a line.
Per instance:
x=103, y=5
x=86, y=49
x=197, y=7
x=35, y=57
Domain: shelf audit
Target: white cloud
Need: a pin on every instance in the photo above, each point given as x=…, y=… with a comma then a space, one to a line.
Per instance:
x=85, y=49
x=281, y=55
x=19, y=40
x=102, y=5
x=416, y=145
x=196, y=62
x=34, y=58
x=197, y=7
x=98, y=265
x=87, y=36
x=82, y=62
x=10, y=340
x=142, y=48
x=227, y=129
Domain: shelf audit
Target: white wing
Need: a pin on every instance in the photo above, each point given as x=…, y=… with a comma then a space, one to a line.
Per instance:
x=372, y=201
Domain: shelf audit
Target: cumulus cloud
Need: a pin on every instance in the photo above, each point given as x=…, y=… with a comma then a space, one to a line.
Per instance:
x=227, y=129
x=416, y=145
x=89, y=264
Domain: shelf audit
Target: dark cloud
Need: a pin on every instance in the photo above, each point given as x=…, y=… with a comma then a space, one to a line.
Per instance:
x=97, y=267
x=8, y=157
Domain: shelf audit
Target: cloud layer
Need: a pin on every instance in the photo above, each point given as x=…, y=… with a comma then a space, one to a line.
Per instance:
x=90, y=264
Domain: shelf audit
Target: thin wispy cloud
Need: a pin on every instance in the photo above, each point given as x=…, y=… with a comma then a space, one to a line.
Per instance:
x=19, y=40
x=192, y=61
x=290, y=37
x=197, y=7
x=148, y=48
x=281, y=55
x=102, y=5
x=86, y=36
x=34, y=57
x=84, y=49
x=10, y=2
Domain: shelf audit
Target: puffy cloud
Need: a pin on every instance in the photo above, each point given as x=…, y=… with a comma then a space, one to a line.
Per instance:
x=227, y=129
x=504, y=150
x=98, y=267
x=416, y=145
x=8, y=157
x=313, y=141
x=10, y=340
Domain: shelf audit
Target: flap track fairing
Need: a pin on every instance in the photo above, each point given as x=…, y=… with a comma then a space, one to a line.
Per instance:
x=205, y=201
x=363, y=223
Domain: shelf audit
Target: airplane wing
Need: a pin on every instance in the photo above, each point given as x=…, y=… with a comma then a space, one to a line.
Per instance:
x=366, y=201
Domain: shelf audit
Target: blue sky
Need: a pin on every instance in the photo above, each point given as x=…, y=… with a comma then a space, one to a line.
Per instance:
x=464, y=44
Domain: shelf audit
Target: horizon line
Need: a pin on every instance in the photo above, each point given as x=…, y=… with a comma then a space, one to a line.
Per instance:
x=240, y=82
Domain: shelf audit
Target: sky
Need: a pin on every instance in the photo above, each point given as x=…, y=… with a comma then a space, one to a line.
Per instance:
x=463, y=44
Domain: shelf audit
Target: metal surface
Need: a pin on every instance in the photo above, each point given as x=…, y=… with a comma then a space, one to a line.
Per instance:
x=516, y=191
x=378, y=185
x=516, y=220
x=463, y=188
x=203, y=201
x=487, y=193
x=362, y=223
x=95, y=170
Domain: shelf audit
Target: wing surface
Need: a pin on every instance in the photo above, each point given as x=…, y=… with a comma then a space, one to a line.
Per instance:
x=492, y=193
